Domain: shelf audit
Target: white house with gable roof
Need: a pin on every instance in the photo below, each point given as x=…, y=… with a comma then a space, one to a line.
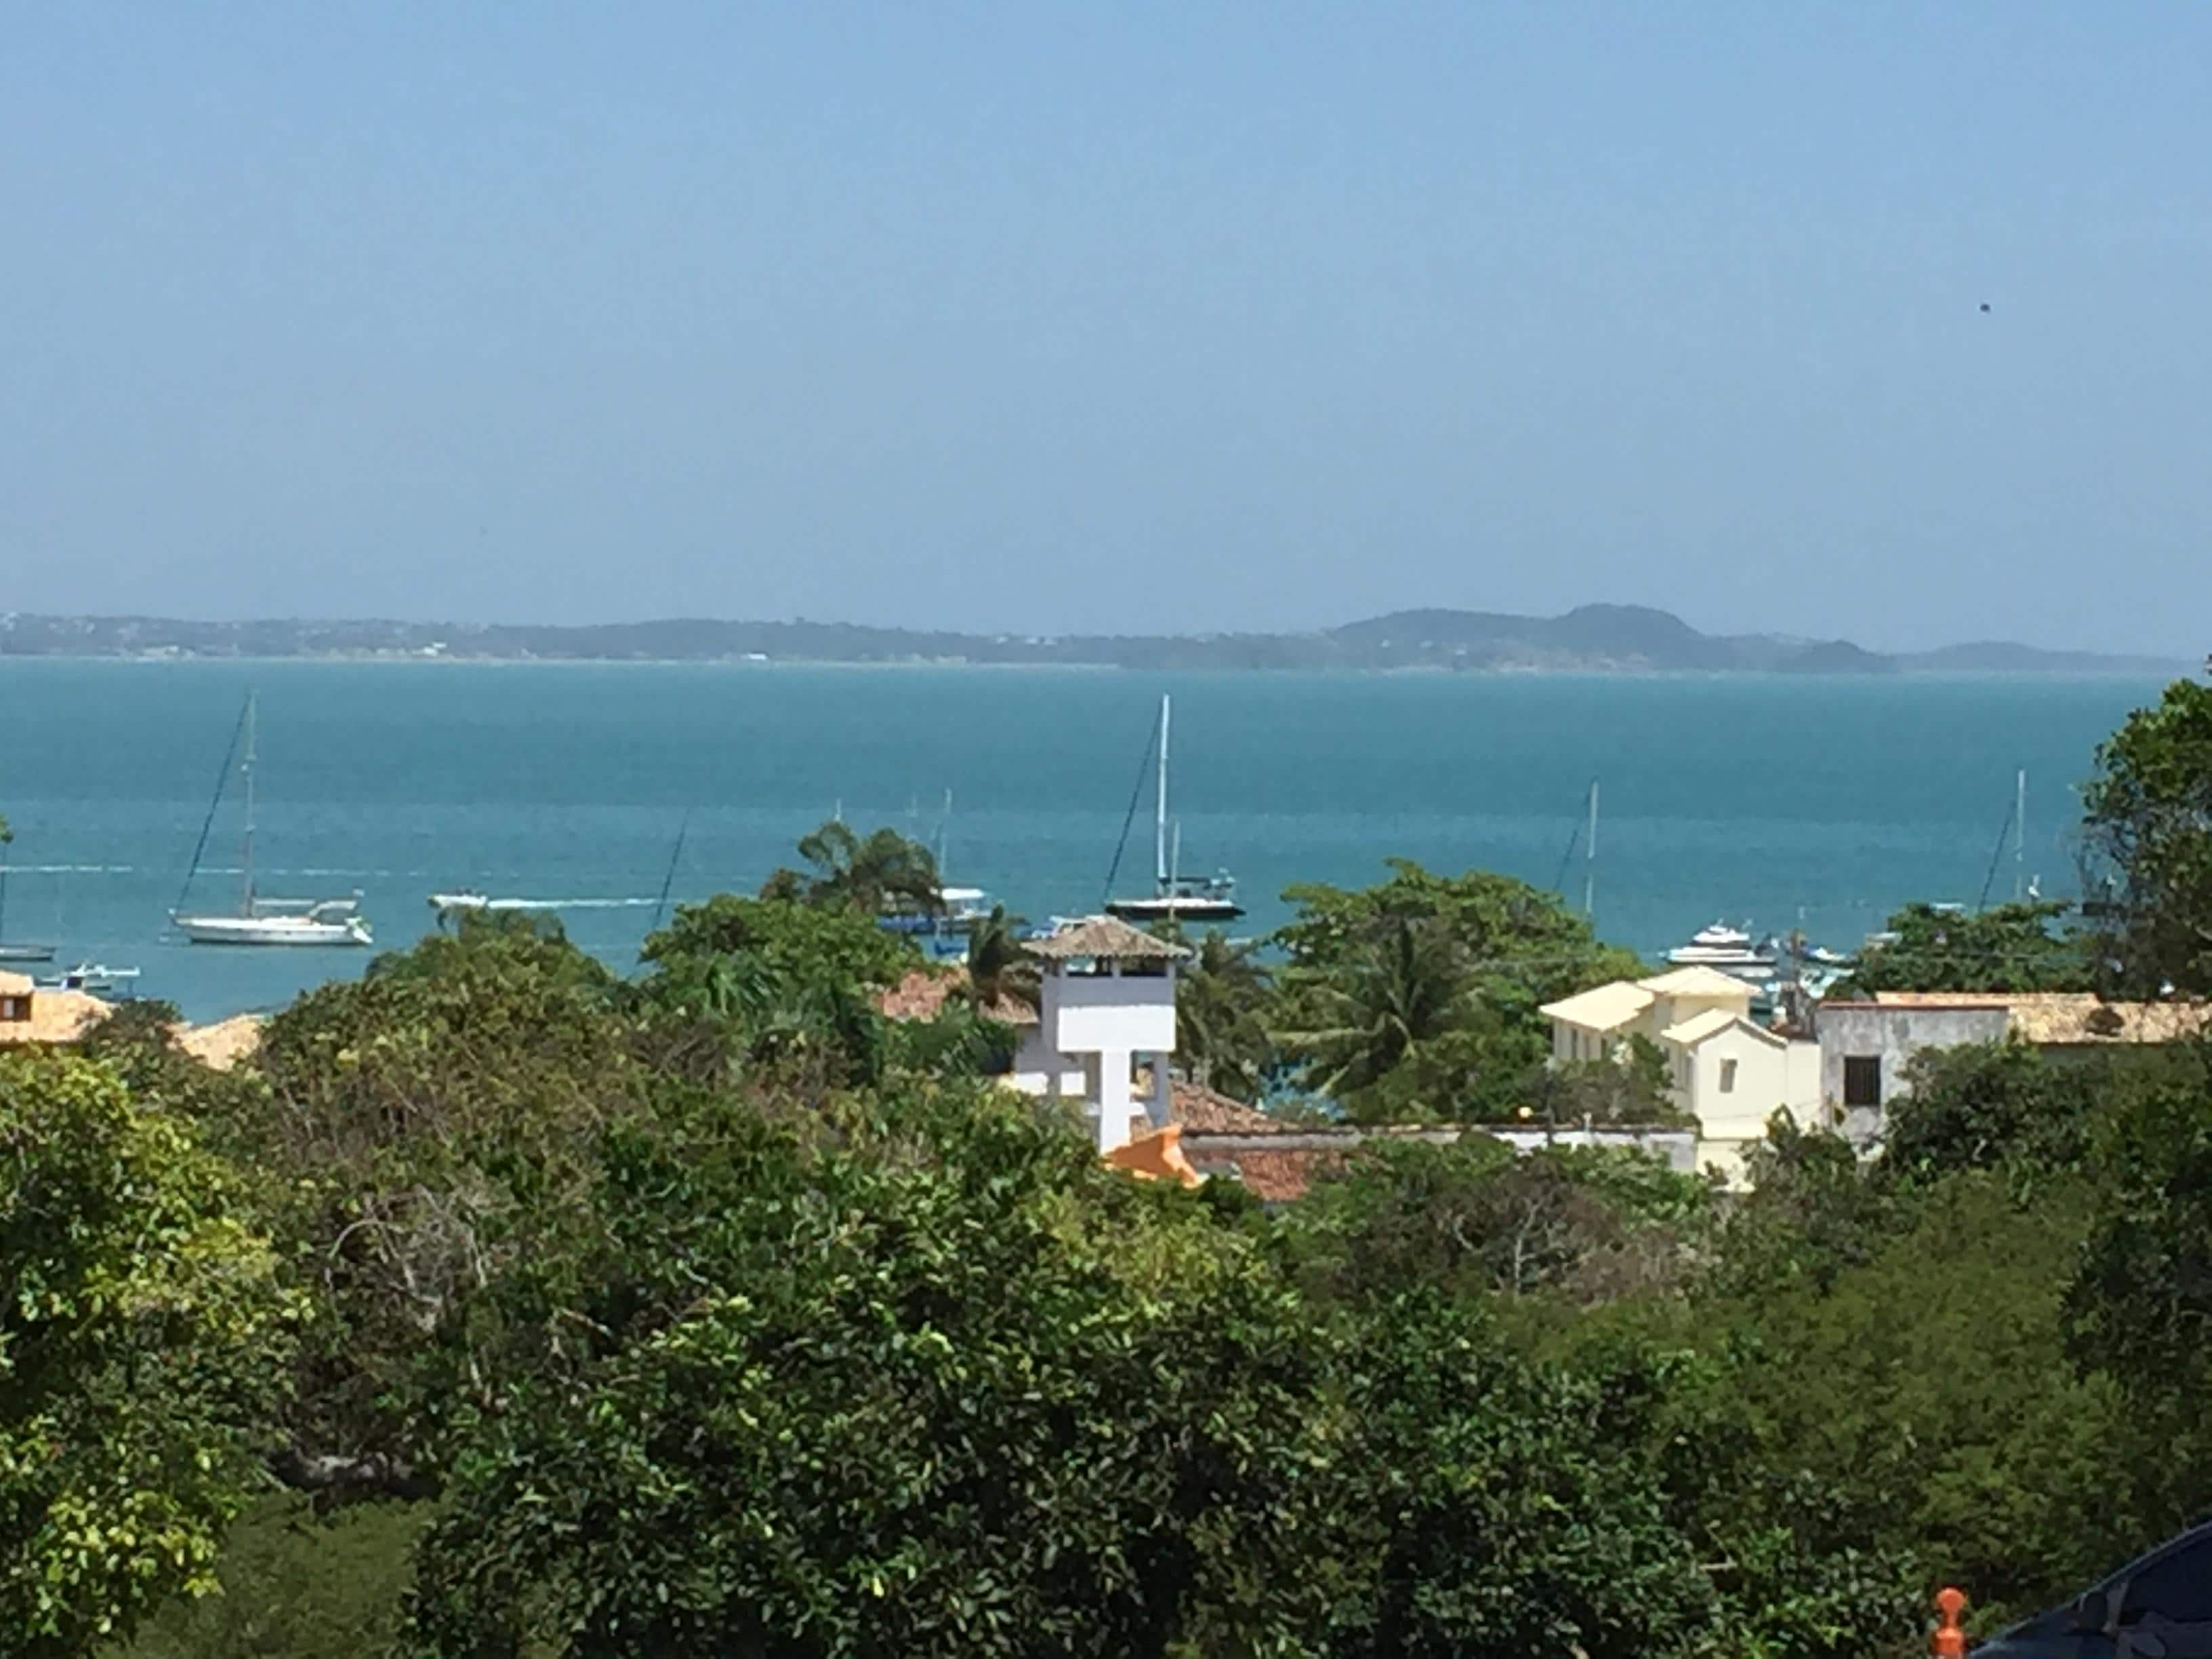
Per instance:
x=1724, y=1069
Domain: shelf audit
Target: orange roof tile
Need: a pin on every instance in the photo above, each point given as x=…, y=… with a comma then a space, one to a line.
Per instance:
x=1157, y=1157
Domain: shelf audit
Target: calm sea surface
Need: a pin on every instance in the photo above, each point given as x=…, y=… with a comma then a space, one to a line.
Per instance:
x=1758, y=800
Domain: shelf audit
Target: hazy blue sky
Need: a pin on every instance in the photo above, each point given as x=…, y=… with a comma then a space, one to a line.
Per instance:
x=1048, y=317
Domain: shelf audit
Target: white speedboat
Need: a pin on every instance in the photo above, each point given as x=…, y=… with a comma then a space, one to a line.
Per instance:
x=451, y=904
x=259, y=921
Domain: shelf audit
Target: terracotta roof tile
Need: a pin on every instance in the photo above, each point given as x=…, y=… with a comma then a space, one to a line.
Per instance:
x=924, y=992
x=1273, y=1176
x=1208, y=1111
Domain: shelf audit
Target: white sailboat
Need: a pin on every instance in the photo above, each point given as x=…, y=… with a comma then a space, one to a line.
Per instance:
x=1176, y=896
x=260, y=920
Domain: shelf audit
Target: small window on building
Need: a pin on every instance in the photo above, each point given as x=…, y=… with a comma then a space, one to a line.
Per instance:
x=15, y=1008
x=1728, y=1077
x=1862, y=1079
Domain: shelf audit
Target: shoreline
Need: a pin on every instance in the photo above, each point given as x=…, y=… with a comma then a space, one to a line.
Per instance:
x=2145, y=671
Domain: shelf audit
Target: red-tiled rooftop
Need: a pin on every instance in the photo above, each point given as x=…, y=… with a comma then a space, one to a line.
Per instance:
x=1208, y=1111
x=924, y=992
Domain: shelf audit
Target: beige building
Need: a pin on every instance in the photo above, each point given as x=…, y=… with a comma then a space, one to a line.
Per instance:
x=1724, y=1069
x=1867, y=1046
x=30, y=1015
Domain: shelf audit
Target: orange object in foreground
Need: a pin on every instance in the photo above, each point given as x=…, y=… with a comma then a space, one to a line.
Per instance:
x=1157, y=1157
x=1949, y=1639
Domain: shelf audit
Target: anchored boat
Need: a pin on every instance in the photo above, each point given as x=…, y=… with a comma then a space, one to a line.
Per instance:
x=1175, y=898
x=1729, y=949
x=259, y=921
x=96, y=977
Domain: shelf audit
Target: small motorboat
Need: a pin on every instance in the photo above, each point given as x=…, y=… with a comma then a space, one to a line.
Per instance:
x=95, y=977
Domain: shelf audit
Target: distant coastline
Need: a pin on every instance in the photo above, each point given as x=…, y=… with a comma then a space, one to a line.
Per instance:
x=1592, y=639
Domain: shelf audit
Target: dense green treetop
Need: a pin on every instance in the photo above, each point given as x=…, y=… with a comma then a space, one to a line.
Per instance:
x=2147, y=833
x=2008, y=947
x=142, y=1337
x=919, y=1377
x=879, y=874
x=1416, y=998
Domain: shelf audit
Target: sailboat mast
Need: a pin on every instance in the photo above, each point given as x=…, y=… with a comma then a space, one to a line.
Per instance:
x=2019, y=835
x=1589, y=857
x=246, y=767
x=1160, y=827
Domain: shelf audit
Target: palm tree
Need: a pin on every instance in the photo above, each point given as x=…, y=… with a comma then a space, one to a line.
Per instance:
x=885, y=871
x=999, y=969
x=1402, y=987
x=1221, y=994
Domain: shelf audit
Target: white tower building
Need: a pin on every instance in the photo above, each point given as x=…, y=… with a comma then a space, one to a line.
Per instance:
x=1106, y=1006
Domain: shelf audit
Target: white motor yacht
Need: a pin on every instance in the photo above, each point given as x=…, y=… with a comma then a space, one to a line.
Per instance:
x=1728, y=949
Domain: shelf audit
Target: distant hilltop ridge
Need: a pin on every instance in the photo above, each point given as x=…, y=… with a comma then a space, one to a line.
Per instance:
x=1593, y=638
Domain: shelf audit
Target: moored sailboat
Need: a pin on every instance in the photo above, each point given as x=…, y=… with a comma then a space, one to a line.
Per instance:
x=259, y=921
x=1176, y=897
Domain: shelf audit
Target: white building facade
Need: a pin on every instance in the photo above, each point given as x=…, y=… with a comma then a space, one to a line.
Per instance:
x=1724, y=1070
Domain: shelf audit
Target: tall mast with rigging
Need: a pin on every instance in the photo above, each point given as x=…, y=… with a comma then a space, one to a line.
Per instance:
x=1589, y=858
x=246, y=770
x=1160, y=830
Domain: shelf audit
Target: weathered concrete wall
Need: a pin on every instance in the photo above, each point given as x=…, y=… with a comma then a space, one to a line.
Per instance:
x=1894, y=1036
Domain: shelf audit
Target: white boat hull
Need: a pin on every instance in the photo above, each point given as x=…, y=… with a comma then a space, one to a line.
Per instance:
x=274, y=930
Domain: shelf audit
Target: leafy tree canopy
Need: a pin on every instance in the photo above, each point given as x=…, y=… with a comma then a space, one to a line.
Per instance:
x=142, y=1338
x=430, y=1132
x=1418, y=997
x=2148, y=833
x=883, y=872
x=919, y=1376
x=2008, y=947
x=1587, y=1224
x=751, y=984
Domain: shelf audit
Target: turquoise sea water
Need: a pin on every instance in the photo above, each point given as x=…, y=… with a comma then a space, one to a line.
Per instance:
x=1748, y=797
